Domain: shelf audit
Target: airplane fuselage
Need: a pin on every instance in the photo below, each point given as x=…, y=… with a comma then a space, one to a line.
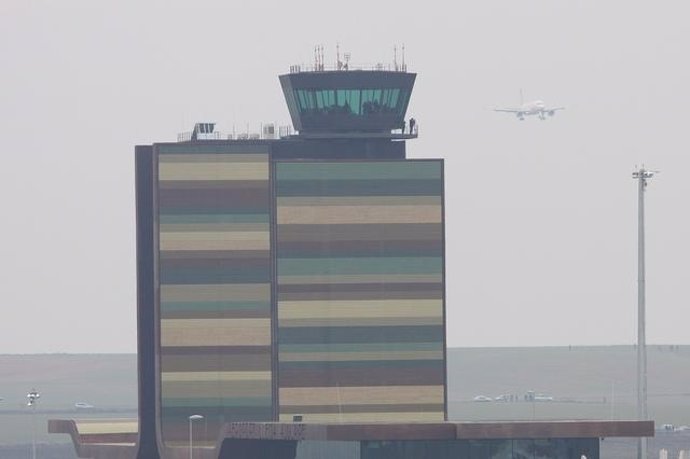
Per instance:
x=533, y=108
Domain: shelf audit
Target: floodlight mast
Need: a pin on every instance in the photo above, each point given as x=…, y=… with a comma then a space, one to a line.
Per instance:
x=32, y=397
x=641, y=175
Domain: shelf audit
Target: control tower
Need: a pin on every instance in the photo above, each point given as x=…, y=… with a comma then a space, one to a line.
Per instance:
x=349, y=103
x=291, y=293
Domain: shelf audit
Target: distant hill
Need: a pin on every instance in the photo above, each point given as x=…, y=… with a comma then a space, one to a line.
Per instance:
x=597, y=382
x=585, y=382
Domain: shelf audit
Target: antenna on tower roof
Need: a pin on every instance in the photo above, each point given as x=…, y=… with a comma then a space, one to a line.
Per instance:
x=395, y=57
x=404, y=65
x=338, y=62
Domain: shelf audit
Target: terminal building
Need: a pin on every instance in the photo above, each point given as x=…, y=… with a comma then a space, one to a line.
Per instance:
x=291, y=293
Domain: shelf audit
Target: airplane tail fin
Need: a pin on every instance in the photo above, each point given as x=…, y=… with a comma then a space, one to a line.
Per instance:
x=522, y=98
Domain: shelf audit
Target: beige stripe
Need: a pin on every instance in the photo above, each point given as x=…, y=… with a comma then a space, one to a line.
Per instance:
x=213, y=227
x=109, y=426
x=359, y=309
x=204, y=389
x=196, y=158
x=358, y=214
x=418, y=416
x=199, y=376
x=215, y=332
x=359, y=279
x=362, y=395
x=216, y=292
x=358, y=201
x=213, y=171
x=359, y=356
x=362, y=322
x=207, y=240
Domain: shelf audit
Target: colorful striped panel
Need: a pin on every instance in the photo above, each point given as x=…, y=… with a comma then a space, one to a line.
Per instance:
x=360, y=290
x=215, y=288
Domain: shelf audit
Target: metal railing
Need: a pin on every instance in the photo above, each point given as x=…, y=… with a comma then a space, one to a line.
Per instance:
x=347, y=67
x=266, y=132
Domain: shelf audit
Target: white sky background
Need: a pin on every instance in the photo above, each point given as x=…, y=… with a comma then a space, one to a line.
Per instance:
x=541, y=216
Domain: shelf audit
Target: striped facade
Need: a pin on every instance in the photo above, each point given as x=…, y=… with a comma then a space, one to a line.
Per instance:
x=360, y=290
x=214, y=273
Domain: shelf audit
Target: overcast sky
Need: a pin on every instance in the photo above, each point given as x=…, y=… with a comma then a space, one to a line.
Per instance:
x=540, y=216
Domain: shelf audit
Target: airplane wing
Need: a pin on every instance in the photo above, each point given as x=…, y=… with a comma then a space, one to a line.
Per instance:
x=508, y=110
x=554, y=109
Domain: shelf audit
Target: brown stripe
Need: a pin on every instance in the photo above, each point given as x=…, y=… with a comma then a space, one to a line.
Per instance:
x=300, y=377
x=212, y=185
x=329, y=233
x=344, y=408
x=213, y=292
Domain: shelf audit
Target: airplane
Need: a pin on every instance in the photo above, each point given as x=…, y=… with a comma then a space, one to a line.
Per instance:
x=536, y=107
x=83, y=405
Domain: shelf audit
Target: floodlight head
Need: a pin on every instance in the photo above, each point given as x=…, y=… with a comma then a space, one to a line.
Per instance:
x=195, y=417
x=643, y=174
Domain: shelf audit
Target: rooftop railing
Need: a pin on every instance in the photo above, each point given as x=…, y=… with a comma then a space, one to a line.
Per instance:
x=269, y=131
x=347, y=67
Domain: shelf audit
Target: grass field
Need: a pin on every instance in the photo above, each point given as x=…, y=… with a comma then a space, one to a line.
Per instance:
x=585, y=382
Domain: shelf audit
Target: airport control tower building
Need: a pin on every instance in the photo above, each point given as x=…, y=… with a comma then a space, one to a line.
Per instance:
x=295, y=277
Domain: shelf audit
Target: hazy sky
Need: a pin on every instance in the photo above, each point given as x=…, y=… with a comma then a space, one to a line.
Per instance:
x=541, y=216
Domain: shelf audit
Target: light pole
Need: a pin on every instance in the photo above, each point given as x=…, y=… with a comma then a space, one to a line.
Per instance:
x=32, y=397
x=641, y=175
x=192, y=418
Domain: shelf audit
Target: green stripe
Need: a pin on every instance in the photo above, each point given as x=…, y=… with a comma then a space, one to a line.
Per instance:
x=211, y=306
x=193, y=211
x=215, y=226
x=354, y=188
x=364, y=170
x=361, y=334
x=363, y=265
x=214, y=218
x=360, y=347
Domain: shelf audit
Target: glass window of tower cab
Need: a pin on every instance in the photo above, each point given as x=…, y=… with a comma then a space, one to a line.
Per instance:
x=291, y=293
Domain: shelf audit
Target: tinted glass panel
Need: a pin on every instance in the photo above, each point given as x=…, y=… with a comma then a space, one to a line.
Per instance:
x=350, y=101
